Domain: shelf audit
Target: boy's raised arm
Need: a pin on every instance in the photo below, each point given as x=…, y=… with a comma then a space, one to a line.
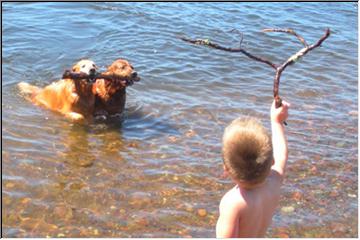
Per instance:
x=279, y=141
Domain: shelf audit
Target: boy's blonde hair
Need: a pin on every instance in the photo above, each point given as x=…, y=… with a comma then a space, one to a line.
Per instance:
x=247, y=150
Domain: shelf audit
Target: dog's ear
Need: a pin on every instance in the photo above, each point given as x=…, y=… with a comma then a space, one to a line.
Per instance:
x=76, y=68
x=111, y=69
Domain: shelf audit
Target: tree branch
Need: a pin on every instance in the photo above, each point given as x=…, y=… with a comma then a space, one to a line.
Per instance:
x=279, y=69
x=294, y=58
x=288, y=30
x=206, y=42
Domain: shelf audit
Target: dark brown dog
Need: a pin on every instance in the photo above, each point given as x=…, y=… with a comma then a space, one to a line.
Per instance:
x=111, y=94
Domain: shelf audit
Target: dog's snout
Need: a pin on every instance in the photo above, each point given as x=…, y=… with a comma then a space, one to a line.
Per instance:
x=92, y=71
x=134, y=74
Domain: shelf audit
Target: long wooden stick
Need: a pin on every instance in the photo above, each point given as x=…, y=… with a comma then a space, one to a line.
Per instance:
x=279, y=68
x=91, y=78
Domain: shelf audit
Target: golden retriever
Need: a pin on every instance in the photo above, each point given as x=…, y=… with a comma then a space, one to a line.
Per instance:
x=73, y=98
x=111, y=93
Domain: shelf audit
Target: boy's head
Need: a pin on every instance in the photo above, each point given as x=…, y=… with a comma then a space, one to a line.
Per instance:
x=247, y=151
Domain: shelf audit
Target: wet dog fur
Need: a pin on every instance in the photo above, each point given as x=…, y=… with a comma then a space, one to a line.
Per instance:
x=111, y=94
x=74, y=99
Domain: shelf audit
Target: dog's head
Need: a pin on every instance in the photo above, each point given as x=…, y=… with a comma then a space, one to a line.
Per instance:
x=119, y=68
x=111, y=94
x=82, y=88
x=85, y=66
x=122, y=68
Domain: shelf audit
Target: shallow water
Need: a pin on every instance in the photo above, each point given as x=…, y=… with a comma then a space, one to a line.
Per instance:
x=158, y=173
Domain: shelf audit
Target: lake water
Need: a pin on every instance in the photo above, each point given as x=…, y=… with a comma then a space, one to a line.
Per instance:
x=159, y=172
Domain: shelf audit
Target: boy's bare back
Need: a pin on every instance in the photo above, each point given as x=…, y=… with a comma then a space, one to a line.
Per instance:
x=247, y=209
x=248, y=212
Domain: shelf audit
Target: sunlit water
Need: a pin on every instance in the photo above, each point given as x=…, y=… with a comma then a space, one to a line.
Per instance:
x=158, y=173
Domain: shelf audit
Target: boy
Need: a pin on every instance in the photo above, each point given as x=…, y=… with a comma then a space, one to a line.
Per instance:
x=257, y=165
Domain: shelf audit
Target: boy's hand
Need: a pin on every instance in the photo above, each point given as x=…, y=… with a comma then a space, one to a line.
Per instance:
x=280, y=149
x=279, y=115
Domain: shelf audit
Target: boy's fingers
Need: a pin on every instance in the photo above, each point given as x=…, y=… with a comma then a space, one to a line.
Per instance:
x=286, y=103
x=285, y=107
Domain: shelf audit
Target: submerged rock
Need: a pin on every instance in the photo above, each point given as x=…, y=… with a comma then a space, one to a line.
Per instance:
x=282, y=235
x=202, y=212
x=297, y=196
x=139, y=199
x=190, y=133
x=288, y=209
x=172, y=139
x=63, y=212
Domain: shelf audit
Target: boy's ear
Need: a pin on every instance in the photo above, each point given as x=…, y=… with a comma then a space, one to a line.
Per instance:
x=226, y=172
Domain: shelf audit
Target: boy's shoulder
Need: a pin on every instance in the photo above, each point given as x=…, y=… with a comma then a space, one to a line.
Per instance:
x=232, y=200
